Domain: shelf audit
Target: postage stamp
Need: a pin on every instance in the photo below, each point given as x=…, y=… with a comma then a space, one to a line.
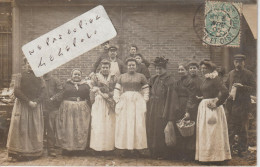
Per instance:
x=222, y=24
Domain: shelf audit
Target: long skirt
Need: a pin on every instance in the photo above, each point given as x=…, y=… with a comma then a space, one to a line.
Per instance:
x=155, y=127
x=73, y=125
x=212, y=143
x=130, y=122
x=25, y=136
x=102, y=136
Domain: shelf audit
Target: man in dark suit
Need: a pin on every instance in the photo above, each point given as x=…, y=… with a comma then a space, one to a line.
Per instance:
x=241, y=84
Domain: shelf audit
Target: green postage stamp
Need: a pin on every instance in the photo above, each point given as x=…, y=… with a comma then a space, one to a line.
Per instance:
x=222, y=23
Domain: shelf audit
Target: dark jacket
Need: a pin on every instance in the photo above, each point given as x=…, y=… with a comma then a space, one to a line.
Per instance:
x=242, y=102
x=163, y=97
x=31, y=88
x=121, y=65
x=141, y=68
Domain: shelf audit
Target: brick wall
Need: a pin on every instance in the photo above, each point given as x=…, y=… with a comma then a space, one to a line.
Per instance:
x=157, y=30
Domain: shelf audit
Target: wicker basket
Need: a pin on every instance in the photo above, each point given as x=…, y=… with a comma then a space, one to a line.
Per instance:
x=186, y=130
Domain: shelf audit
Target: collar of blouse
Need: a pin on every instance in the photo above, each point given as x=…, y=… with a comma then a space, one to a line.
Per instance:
x=211, y=75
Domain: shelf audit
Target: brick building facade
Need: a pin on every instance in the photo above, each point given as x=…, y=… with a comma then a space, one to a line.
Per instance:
x=156, y=27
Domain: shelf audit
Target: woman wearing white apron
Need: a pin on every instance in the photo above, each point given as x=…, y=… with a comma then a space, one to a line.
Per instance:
x=131, y=94
x=102, y=137
x=212, y=142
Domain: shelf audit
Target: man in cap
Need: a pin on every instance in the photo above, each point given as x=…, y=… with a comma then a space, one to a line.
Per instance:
x=133, y=51
x=117, y=67
x=104, y=55
x=242, y=83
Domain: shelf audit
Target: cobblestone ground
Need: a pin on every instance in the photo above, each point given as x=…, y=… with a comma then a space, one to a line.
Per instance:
x=90, y=160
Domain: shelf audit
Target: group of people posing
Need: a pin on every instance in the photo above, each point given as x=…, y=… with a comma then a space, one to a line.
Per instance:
x=120, y=106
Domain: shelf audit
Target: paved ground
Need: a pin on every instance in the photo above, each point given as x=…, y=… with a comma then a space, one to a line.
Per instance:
x=90, y=160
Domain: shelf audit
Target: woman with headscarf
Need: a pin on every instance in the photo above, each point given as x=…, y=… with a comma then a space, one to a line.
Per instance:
x=25, y=138
x=102, y=136
x=131, y=94
x=161, y=108
x=73, y=120
x=212, y=142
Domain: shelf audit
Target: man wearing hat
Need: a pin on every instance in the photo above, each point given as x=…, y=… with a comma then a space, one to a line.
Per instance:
x=117, y=67
x=242, y=83
x=104, y=55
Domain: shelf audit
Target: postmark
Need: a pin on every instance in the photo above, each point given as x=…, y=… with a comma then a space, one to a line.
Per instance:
x=222, y=24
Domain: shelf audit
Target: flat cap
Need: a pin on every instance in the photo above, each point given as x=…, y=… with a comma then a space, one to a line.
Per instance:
x=239, y=57
x=113, y=48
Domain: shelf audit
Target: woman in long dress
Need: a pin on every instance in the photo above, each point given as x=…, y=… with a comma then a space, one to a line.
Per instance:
x=212, y=142
x=161, y=109
x=73, y=119
x=102, y=136
x=25, y=138
x=191, y=109
x=182, y=92
x=131, y=94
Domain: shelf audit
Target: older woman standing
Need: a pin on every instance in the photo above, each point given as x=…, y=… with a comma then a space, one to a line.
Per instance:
x=25, y=138
x=161, y=108
x=73, y=120
x=130, y=109
x=212, y=142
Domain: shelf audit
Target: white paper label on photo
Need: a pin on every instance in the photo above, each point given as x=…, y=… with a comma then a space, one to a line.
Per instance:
x=69, y=41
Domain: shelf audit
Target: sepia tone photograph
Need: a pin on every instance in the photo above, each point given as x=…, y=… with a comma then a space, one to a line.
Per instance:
x=128, y=82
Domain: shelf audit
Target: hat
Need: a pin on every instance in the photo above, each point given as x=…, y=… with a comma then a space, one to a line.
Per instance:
x=160, y=61
x=105, y=61
x=239, y=57
x=208, y=64
x=193, y=61
x=112, y=48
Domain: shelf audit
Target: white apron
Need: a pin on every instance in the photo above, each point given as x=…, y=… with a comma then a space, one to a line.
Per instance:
x=212, y=141
x=102, y=137
x=130, y=121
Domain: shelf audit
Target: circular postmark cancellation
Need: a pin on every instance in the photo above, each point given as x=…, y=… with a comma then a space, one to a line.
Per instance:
x=222, y=24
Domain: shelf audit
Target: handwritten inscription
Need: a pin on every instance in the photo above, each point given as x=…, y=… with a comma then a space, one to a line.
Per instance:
x=69, y=41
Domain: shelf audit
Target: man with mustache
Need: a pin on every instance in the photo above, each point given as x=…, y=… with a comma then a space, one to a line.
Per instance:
x=239, y=103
